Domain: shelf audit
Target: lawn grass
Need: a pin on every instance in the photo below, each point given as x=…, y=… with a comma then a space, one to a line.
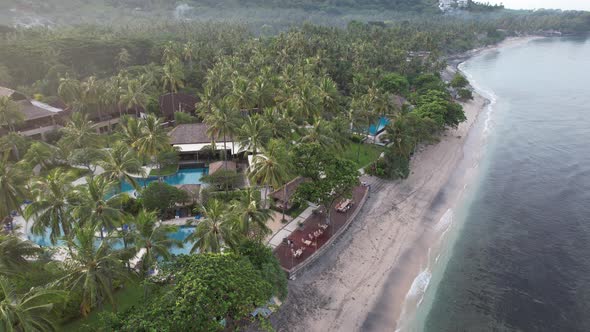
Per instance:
x=131, y=294
x=168, y=170
x=368, y=153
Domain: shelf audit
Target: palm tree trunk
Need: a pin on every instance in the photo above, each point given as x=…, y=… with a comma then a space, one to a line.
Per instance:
x=225, y=161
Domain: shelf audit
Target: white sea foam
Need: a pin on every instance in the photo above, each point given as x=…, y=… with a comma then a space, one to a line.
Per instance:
x=445, y=222
x=419, y=286
x=488, y=94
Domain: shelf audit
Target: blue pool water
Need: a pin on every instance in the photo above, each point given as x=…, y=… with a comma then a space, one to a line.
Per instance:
x=183, y=176
x=375, y=129
x=180, y=234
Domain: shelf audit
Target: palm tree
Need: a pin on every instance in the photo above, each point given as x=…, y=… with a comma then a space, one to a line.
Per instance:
x=251, y=217
x=93, y=206
x=130, y=130
x=221, y=122
x=188, y=53
x=253, y=134
x=148, y=235
x=92, y=269
x=279, y=125
x=12, y=187
x=328, y=91
x=154, y=137
x=40, y=153
x=90, y=95
x=240, y=97
x=51, y=208
x=268, y=169
x=14, y=143
x=262, y=89
x=10, y=113
x=172, y=79
x=215, y=230
x=28, y=312
x=69, y=91
x=133, y=96
x=119, y=163
x=320, y=132
x=79, y=132
x=14, y=253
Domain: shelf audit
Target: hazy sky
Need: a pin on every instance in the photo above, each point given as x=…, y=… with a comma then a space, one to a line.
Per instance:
x=530, y=4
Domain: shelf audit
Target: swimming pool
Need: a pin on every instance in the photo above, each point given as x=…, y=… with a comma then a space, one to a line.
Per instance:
x=180, y=234
x=183, y=176
x=376, y=129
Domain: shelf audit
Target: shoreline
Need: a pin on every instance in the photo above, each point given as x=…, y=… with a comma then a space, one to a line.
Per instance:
x=376, y=274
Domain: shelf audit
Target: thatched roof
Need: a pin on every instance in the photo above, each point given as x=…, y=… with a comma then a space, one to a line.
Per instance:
x=292, y=186
x=216, y=166
x=193, y=190
x=189, y=134
x=193, y=133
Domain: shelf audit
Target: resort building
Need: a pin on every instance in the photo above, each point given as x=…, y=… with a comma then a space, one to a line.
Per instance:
x=39, y=118
x=283, y=196
x=195, y=146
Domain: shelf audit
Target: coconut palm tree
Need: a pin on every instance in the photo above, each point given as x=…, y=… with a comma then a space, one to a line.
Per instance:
x=51, y=207
x=79, y=132
x=221, y=122
x=321, y=133
x=263, y=89
x=10, y=114
x=240, y=97
x=130, y=130
x=133, y=95
x=119, y=163
x=279, y=125
x=268, y=169
x=12, y=187
x=254, y=134
x=328, y=93
x=92, y=269
x=14, y=143
x=14, y=253
x=153, y=138
x=215, y=230
x=172, y=79
x=91, y=90
x=28, y=312
x=96, y=206
x=40, y=153
x=188, y=53
x=251, y=217
x=70, y=91
x=148, y=235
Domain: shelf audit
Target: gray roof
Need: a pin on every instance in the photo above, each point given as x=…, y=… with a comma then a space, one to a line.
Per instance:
x=38, y=111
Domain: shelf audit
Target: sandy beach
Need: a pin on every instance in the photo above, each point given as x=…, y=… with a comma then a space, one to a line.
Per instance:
x=361, y=283
x=373, y=272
